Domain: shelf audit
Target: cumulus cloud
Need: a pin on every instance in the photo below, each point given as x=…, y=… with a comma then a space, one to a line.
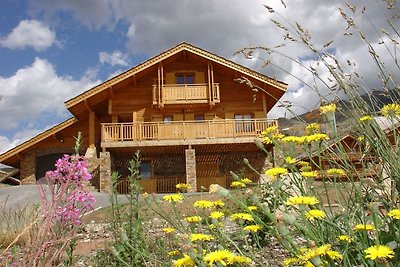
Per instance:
x=34, y=90
x=29, y=33
x=116, y=58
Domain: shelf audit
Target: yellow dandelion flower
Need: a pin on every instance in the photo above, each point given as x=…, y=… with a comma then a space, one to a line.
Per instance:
x=193, y=219
x=394, y=213
x=361, y=138
x=242, y=216
x=365, y=118
x=218, y=203
x=169, y=230
x=334, y=255
x=302, y=200
x=293, y=139
x=336, y=171
x=269, y=130
x=305, y=169
x=252, y=228
x=174, y=253
x=186, y=261
x=239, y=259
x=364, y=227
x=309, y=174
x=316, y=137
x=145, y=195
x=290, y=160
x=303, y=163
x=344, y=238
x=391, y=110
x=274, y=172
x=266, y=140
x=290, y=261
x=312, y=128
x=278, y=136
x=201, y=237
x=252, y=208
x=223, y=257
x=183, y=187
x=246, y=180
x=328, y=108
x=315, y=214
x=173, y=198
x=216, y=215
x=238, y=184
x=379, y=252
x=203, y=204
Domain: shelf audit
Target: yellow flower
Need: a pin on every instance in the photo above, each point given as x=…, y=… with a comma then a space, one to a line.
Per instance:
x=242, y=216
x=290, y=160
x=252, y=228
x=272, y=129
x=379, y=252
x=173, y=252
x=302, y=200
x=246, y=180
x=252, y=208
x=238, y=184
x=395, y=213
x=186, y=261
x=334, y=171
x=216, y=215
x=193, y=219
x=145, y=195
x=361, y=138
x=266, y=140
x=274, y=172
x=312, y=128
x=183, y=187
x=365, y=118
x=240, y=259
x=309, y=174
x=218, y=203
x=278, y=136
x=334, y=255
x=169, y=230
x=344, y=238
x=316, y=137
x=293, y=139
x=328, y=108
x=305, y=169
x=391, y=110
x=291, y=261
x=364, y=227
x=223, y=257
x=303, y=163
x=315, y=214
x=173, y=198
x=201, y=237
x=203, y=204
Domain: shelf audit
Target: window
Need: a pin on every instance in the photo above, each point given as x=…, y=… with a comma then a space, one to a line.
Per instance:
x=243, y=123
x=167, y=119
x=145, y=170
x=199, y=117
x=184, y=78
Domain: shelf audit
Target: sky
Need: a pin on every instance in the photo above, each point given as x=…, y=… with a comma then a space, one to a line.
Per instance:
x=53, y=50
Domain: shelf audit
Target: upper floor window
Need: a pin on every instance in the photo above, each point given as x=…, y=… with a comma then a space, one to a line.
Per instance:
x=243, y=123
x=167, y=119
x=184, y=78
x=199, y=117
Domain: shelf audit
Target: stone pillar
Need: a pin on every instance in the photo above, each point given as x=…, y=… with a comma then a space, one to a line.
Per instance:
x=190, y=160
x=105, y=172
x=28, y=168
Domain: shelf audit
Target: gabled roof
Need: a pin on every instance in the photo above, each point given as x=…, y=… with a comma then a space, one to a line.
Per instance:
x=34, y=140
x=164, y=55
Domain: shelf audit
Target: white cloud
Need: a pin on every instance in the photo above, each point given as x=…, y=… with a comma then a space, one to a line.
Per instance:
x=34, y=90
x=115, y=58
x=29, y=33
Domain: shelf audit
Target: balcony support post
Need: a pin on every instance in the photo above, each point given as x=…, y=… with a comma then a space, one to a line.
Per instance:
x=190, y=160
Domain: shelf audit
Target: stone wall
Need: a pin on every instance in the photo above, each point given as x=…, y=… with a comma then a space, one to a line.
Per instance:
x=190, y=163
x=105, y=172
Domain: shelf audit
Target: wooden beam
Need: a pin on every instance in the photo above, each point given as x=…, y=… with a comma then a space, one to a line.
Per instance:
x=264, y=103
x=112, y=92
x=88, y=107
x=92, y=118
x=110, y=106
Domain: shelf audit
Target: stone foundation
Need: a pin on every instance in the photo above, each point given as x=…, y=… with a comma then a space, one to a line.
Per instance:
x=105, y=172
x=190, y=160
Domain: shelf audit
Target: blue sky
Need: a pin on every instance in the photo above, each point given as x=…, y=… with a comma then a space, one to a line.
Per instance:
x=52, y=50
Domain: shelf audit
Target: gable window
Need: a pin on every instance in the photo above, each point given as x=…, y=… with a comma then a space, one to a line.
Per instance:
x=145, y=170
x=184, y=78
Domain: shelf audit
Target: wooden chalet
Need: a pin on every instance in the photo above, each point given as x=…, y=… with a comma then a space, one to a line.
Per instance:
x=183, y=110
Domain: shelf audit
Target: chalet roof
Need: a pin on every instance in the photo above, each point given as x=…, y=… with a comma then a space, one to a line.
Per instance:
x=166, y=54
x=36, y=139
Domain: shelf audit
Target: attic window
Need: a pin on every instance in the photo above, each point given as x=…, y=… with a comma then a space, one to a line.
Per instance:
x=184, y=78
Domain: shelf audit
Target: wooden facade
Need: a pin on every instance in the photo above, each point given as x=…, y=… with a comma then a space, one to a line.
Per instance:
x=184, y=111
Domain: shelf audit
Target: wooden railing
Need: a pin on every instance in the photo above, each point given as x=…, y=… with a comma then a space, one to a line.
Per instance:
x=155, y=185
x=183, y=130
x=185, y=93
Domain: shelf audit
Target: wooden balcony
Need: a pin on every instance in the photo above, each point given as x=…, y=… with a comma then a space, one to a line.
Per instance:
x=185, y=94
x=182, y=132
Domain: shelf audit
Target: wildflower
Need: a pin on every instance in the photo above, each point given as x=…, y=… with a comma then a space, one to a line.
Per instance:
x=173, y=253
x=252, y=208
x=218, y=203
x=216, y=215
x=344, y=238
x=238, y=184
x=303, y=163
x=395, y=213
x=145, y=195
x=312, y=128
x=309, y=174
x=379, y=252
x=223, y=257
x=201, y=237
x=302, y=200
x=242, y=216
x=364, y=227
x=266, y=140
x=336, y=171
x=391, y=110
x=365, y=118
x=291, y=261
x=240, y=259
x=193, y=219
x=334, y=255
x=316, y=137
x=169, y=230
x=246, y=180
x=315, y=214
x=293, y=139
x=269, y=130
x=328, y=108
x=173, y=198
x=186, y=261
x=203, y=204
x=252, y=228
x=290, y=160
x=305, y=169
x=183, y=187
x=273, y=172
x=361, y=138
x=278, y=136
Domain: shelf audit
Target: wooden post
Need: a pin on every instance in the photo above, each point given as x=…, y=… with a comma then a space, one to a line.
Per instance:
x=92, y=119
x=264, y=103
x=212, y=85
x=209, y=83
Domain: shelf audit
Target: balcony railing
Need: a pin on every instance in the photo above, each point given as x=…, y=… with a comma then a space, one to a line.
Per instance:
x=183, y=130
x=185, y=94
